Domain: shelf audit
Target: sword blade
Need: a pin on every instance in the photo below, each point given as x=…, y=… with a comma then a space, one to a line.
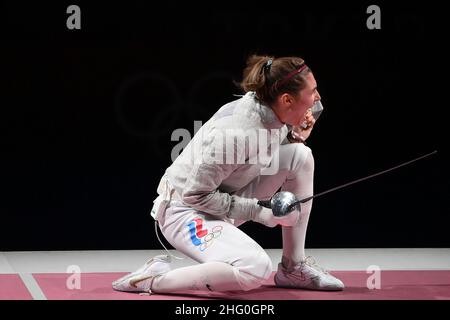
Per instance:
x=361, y=179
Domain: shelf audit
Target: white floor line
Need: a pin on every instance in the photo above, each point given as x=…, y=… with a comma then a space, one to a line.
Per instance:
x=129, y=260
x=32, y=286
x=5, y=266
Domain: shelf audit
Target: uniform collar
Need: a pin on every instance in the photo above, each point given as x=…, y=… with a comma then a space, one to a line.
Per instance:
x=268, y=116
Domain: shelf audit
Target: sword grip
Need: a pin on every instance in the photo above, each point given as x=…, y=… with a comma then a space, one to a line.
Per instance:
x=265, y=203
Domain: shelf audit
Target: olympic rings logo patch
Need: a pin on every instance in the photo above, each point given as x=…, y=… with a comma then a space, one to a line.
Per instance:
x=201, y=237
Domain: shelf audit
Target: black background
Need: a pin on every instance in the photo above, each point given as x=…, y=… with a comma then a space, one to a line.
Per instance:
x=87, y=115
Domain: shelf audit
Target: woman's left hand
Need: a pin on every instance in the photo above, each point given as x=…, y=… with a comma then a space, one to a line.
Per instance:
x=302, y=134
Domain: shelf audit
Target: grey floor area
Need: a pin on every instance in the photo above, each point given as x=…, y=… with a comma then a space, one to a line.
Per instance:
x=128, y=260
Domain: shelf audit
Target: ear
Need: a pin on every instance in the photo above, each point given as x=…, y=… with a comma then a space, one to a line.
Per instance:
x=286, y=99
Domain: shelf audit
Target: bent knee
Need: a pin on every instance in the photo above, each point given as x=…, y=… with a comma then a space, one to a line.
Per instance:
x=297, y=156
x=303, y=158
x=309, y=162
x=254, y=271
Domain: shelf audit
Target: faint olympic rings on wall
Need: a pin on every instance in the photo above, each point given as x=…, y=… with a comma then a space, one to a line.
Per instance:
x=209, y=93
x=147, y=105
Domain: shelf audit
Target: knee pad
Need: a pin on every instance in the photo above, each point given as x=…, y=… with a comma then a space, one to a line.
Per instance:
x=254, y=270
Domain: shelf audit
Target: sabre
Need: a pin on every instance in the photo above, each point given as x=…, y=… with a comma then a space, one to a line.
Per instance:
x=284, y=202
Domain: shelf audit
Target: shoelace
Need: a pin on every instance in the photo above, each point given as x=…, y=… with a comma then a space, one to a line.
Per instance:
x=149, y=291
x=310, y=261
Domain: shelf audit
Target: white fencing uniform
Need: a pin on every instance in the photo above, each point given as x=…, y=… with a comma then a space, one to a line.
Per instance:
x=205, y=196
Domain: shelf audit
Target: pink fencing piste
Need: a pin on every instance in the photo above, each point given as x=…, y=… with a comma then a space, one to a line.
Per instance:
x=13, y=288
x=395, y=285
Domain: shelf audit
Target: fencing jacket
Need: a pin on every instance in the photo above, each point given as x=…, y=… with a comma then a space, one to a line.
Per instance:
x=223, y=157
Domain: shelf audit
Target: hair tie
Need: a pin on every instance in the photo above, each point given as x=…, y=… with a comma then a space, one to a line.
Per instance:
x=268, y=65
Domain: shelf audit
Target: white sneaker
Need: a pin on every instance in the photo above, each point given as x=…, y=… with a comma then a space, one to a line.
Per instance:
x=152, y=268
x=307, y=275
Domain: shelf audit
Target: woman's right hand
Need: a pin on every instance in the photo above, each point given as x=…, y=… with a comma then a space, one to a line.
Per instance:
x=266, y=217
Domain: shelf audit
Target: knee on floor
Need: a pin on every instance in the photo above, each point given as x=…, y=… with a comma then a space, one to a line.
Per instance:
x=254, y=271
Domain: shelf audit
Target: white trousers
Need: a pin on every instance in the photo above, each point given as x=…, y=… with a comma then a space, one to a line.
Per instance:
x=209, y=239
